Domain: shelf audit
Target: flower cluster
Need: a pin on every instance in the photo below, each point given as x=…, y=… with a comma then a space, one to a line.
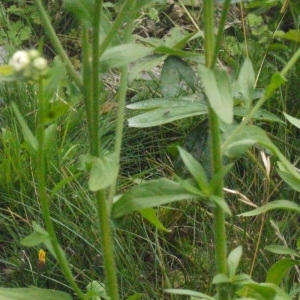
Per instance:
x=28, y=64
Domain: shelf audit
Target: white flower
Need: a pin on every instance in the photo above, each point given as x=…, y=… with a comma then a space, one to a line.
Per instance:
x=20, y=60
x=40, y=63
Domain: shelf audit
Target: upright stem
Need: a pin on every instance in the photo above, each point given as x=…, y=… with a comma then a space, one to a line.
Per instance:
x=92, y=101
x=216, y=155
x=121, y=110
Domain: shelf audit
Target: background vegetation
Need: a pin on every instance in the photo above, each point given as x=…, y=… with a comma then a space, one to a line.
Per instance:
x=148, y=260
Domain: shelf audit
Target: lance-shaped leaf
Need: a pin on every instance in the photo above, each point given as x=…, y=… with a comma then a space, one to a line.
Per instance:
x=173, y=72
x=292, y=35
x=196, y=170
x=40, y=235
x=150, y=194
x=124, y=54
x=294, y=121
x=246, y=81
x=277, y=204
x=280, y=269
x=190, y=293
x=27, y=133
x=233, y=260
x=103, y=170
x=218, y=91
x=261, y=114
x=166, y=115
x=167, y=103
x=32, y=293
x=282, y=250
x=150, y=214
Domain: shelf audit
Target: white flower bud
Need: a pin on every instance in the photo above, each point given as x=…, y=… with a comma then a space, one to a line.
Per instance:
x=40, y=63
x=20, y=60
x=33, y=54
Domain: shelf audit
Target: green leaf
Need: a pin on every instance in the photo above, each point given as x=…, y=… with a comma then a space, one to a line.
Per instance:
x=246, y=81
x=264, y=291
x=282, y=250
x=150, y=215
x=221, y=203
x=233, y=260
x=276, y=81
x=249, y=136
x=261, y=114
x=104, y=171
x=191, y=186
x=166, y=115
x=50, y=139
x=150, y=194
x=196, y=170
x=218, y=91
x=220, y=278
x=279, y=270
x=165, y=103
x=292, y=35
x=143, y=65
x=189, y=293
x=191, y=36
x=40, y=235
x=277, y=204
x=135, y=296
x=292, y=120
x=175, y=35
x=97, y=289
x=241, y=280
x=170, y=78
x=173, y=72
x=27, y=133
x=32, y=293
x=56, y=110
x=123, y=55
x=290, y=179
x=220, y=174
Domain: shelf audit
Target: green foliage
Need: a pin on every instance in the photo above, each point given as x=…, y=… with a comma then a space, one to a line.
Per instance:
x=58, y=117
x=218, y=91
x=32, y=293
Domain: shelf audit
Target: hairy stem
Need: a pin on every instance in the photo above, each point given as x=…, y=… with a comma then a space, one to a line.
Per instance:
x=211, y=51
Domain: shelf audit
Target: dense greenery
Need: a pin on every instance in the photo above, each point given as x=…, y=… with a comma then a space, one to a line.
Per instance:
x=155, y=201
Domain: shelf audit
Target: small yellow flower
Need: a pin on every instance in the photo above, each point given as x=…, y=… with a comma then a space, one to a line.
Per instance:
x=42, y=260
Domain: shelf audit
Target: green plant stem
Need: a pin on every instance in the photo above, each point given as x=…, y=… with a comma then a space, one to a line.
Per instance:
x=56, y=42
x=216, y=155
x=88, y=86
x=96, y=82
x=92, y=99
x=107, y=246
x=121, y=111
x=209, y=36
x=43, y=197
